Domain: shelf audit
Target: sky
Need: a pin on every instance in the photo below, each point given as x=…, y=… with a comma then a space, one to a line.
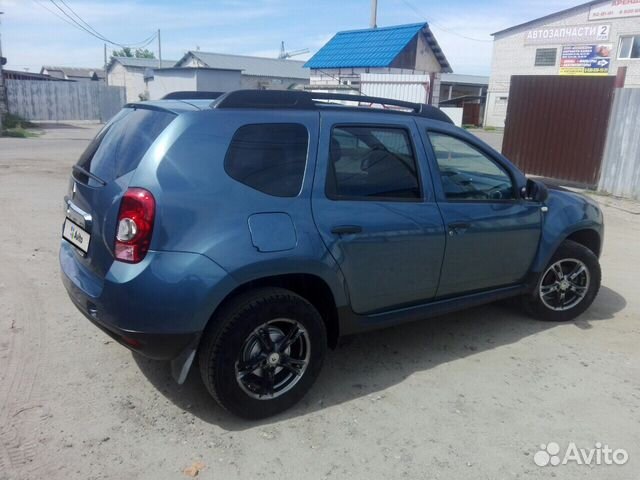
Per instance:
x=32, y=35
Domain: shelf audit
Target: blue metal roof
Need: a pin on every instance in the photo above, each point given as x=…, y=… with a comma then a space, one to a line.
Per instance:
x=371, y=47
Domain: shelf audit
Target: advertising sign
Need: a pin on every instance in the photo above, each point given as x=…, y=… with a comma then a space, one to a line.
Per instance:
x=615, y=9
x=587, y=33
x=585, y=60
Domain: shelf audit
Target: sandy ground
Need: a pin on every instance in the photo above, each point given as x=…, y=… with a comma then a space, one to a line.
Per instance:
x=470, y=395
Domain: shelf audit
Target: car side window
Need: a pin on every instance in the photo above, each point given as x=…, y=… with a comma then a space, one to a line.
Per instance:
x=269, y=157
x=370, y=162
x=467, y=173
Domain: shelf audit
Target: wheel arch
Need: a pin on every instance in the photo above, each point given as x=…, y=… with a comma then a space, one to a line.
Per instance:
x=311, y=287
x=587, y=237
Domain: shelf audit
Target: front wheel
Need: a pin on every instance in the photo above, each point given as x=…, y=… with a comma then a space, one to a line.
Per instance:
x=568, y=285
x=262, y=352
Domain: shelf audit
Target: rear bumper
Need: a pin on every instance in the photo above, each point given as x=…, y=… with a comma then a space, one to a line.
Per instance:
x=159, y=346
x=158, y=307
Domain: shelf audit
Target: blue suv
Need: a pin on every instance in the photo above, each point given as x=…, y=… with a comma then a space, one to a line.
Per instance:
x=250, y=232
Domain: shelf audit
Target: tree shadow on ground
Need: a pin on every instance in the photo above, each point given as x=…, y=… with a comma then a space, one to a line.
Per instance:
x=63, y=126
x=375, y=361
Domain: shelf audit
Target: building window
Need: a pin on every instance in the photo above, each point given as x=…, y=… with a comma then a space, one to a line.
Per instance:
x=546, y=57
x=629, y=47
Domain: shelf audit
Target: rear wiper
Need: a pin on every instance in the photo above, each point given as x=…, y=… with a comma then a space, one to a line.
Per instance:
x=78, y=168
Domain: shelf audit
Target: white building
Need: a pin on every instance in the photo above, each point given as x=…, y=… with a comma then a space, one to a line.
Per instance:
x=162, y=81
x=129, y=72
x=257, y=72
x=595, y=38
x=403, y=62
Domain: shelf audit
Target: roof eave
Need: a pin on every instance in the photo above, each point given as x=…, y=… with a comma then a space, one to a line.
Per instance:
x=546, y=17
x=437, y=51
x=186, y=55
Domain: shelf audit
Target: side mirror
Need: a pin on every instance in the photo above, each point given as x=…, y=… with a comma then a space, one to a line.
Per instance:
x=535, y=191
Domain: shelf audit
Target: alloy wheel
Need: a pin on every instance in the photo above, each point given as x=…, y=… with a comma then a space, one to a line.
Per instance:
x=564, y=284
x=273, y=358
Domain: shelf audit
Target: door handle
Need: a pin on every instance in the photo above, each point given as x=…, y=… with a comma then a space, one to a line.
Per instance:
x=346, y=229
x=458, y=227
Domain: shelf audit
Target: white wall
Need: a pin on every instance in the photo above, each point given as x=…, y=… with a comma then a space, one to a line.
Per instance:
x=454, y=113
x=512, y=57
x=218, y=80
x=426, y=61
x=129, y=77
x=168, y=81
x=192, y=79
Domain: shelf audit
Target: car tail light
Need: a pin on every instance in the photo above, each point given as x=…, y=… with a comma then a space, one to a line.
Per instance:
x=135, y=225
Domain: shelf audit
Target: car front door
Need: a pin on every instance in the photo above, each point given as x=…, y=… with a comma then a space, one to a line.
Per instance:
x=375, y=209
x=492, y=232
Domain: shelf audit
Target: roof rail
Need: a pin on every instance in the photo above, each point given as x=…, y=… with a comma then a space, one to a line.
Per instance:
x=192, y=95
x=305, y=100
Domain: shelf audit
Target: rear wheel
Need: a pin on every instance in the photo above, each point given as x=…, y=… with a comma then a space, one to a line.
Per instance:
x=263, y=352
x=568, y=285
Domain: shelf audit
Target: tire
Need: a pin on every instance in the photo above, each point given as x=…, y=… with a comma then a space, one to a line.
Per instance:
x=546, y=302
x=251, y=331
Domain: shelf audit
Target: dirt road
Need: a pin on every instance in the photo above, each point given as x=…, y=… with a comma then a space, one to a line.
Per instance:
x=470, y=395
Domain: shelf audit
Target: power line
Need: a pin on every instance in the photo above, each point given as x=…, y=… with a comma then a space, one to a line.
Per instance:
x=80, y=18
x=437, y=25
x=146, y=41
x=37, y=2
x=81, y=24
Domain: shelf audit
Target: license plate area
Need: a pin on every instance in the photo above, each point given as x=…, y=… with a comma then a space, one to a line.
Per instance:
x=76, y=236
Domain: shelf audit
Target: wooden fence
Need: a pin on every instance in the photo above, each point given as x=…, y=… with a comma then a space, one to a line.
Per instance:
x=60, y=101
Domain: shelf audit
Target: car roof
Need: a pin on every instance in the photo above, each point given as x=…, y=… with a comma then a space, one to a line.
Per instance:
x=287, y=100
x=306, y=100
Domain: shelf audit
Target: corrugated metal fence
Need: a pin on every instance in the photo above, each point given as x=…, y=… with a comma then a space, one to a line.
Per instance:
x=59, y=101
x=410, y=88
x=620, y=174
x=556, y=126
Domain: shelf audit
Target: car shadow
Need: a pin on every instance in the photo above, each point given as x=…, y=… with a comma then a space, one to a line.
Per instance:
x=368, y=363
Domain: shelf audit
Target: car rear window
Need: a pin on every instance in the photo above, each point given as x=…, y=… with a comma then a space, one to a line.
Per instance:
x=122, y=143
x=269, y=157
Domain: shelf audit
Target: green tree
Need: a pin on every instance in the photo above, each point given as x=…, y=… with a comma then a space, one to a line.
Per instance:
x=125, y=52
x=137, y=53
x=144, y=53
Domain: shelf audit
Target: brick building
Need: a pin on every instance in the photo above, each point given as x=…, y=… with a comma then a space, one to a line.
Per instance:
x=594, y=38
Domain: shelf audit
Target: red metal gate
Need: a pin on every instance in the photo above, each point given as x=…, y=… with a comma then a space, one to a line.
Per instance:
x=471, y=114
x=556, y=126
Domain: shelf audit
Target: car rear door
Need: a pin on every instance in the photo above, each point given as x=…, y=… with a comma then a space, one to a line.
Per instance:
x=492, y=232
x=99, y=179
x=375, y=209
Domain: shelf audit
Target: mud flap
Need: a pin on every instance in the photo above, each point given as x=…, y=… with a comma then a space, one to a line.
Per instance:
x=181, y=365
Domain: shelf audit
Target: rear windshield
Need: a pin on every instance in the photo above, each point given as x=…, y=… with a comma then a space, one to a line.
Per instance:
x=122, y=143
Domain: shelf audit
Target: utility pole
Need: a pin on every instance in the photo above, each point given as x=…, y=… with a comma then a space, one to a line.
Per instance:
x=374, y=14
x=159, y=50
x=106, y=77
x=3, y=97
